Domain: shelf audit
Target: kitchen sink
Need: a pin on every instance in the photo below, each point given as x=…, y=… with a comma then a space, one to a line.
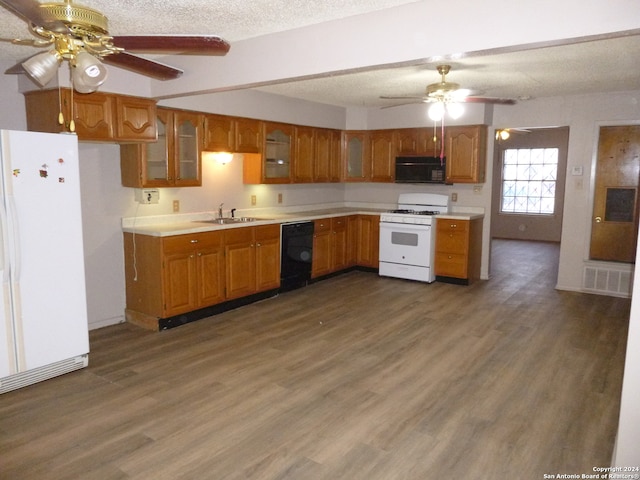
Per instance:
x=228, y=220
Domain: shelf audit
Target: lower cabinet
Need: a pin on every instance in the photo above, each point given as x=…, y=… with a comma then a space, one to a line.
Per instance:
x=458, y=250
x=252, y=260
x=342, y=242
x=193, y=272
x=175, y=275
x=168, y=278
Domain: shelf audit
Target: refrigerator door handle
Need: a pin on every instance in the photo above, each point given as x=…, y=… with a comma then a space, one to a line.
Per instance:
x=14, y=242
x=4, y=246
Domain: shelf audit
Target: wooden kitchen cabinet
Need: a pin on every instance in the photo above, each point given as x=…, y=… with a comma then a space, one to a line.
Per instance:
x=357, y=167
x=458, y=250
x=382, y=155
x=98, y=116
x=193, y=270
x=328, y=162
x=368, y=241
x=466, y=152
x=223, y=133
x=321, y=261
x=416, y=141
x=331, y=250
x=252, y=260
x=339, y=246
x=174, y=160
x=304, y=155
x=275, y=164
x=168, y=276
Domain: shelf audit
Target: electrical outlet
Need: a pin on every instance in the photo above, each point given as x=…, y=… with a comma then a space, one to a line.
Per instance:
x=176, y=206
x=454, y=197
x=253, y=200
x=147, y=196
x=279, y=198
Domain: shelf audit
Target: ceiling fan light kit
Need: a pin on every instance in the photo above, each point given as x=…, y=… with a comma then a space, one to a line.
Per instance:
x=42, y=67
x=80, y=35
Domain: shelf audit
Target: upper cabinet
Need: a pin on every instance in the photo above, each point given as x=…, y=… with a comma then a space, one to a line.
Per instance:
x=174, y=160
x=223, y=133
x=275, y=163
x=304, y=155
x=466, y=152
x=383, y=155
x=327, y=165
x=99, y=117
x=416, y=141
x=355, y=149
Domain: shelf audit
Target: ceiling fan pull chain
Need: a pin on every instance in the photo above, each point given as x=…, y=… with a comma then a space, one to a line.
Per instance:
x=60, y=114
x=72, y=123
x=442, y=143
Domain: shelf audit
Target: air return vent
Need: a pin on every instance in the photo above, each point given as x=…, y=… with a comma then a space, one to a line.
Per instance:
x=608, y=279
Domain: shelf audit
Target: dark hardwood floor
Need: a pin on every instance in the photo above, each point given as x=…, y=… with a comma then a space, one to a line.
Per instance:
x=356, y=377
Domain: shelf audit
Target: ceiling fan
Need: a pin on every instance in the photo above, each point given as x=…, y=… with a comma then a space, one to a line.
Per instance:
x=446, y=95
x=80, y=35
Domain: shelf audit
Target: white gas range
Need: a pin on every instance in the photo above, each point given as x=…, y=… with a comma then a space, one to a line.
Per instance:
x=407, y=236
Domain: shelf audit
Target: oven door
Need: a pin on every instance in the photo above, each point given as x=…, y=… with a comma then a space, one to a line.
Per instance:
x=406, y=244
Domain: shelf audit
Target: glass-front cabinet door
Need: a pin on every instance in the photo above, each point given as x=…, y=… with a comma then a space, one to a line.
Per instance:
x=278, y=152
x=158, y=172
x=187, y=148
x=357, y=165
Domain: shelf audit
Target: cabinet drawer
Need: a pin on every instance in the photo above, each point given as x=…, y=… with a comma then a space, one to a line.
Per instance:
x=322, y=225
x=451, y=265
x=339, y=223
x=238, y=235
x=182, y=243
x=452, y=242
x=445, y=225
x=267, y=232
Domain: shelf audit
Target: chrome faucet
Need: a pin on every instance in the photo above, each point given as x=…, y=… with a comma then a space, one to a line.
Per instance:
x=233, y=213
x=220, y=210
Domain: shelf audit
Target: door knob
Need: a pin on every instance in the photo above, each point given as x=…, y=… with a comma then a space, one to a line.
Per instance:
x=598, y=219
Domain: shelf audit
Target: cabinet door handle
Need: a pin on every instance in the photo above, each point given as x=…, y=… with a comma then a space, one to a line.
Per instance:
x=453, y=225
x=598, y=219
x=194, y=241
x=258, y=244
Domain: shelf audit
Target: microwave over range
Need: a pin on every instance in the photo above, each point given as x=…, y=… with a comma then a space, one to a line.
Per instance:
x=420, y=169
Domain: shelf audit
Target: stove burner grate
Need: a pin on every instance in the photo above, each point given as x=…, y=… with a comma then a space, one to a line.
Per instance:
x=414, y=212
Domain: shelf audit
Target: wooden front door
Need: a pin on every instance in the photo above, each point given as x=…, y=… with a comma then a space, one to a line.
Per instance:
x=614, y=230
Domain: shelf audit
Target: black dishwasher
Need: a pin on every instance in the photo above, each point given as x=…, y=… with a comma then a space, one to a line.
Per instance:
x=297, y=254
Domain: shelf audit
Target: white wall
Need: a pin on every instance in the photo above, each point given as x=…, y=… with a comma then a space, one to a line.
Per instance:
x=627, y=451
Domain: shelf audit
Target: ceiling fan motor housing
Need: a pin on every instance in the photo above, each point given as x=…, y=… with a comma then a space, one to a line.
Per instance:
x=82, y=21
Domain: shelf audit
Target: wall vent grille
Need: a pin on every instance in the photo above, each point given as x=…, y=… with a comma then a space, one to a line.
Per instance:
x=608, y=280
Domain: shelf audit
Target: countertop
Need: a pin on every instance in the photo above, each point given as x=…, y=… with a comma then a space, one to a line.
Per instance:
x=182, y=224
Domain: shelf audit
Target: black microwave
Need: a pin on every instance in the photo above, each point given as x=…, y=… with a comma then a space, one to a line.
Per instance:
x=419, y=169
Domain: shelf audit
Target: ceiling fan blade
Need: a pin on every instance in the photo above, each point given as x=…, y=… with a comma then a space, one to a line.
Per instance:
x=30, y=11
x=495, y=101
x=150, y=68
x=405, y=97
x=173, y=44
x=16, y=69
x=401, y=104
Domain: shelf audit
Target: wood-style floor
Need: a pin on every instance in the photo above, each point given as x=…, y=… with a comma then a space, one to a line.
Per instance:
x=356, y=377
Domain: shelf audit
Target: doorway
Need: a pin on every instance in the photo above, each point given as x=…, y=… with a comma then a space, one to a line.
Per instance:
x=528, y=184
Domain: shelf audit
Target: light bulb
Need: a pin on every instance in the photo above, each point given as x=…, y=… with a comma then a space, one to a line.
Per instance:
x=455, y=110
x=436, y=111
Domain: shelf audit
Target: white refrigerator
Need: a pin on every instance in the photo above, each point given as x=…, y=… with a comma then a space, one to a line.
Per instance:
x=43, y=309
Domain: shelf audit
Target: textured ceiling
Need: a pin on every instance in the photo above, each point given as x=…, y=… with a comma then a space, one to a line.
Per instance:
x=605, y=65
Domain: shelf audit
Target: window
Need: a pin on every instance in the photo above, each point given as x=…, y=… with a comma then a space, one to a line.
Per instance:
x=529, y=180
